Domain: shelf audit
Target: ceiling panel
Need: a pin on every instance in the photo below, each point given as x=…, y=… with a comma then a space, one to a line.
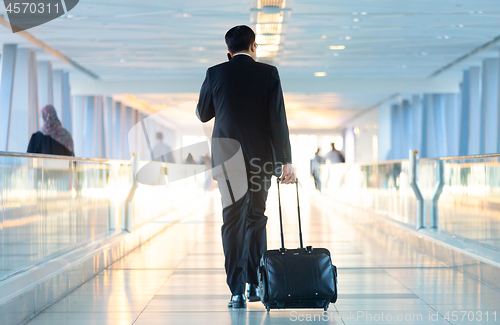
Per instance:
x=180, y=39
x=173, y=40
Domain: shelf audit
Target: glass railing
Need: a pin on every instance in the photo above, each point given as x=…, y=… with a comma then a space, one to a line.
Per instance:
x=50, y=205
x=468, y=207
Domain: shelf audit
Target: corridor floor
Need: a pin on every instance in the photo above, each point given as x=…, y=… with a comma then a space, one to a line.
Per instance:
x=178, y=278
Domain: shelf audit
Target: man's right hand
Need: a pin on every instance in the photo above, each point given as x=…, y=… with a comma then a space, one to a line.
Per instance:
x=288, y=174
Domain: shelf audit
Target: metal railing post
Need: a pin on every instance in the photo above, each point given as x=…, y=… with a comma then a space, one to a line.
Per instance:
x=127, y=213
x=420, y=217
x=437, y=194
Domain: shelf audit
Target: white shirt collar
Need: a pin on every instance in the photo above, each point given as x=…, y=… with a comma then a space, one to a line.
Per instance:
x=242, y=54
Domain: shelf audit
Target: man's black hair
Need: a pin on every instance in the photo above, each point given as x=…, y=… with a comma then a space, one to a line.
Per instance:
x=239, y=38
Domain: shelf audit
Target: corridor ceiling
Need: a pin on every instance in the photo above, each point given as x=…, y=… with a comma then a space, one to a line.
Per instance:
x=386, y=42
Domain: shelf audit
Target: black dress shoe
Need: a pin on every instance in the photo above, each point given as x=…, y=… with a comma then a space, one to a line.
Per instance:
x=252, y=293
x=237, y=301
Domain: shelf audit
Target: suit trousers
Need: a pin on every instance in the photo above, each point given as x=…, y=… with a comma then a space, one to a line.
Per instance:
x=244, y=233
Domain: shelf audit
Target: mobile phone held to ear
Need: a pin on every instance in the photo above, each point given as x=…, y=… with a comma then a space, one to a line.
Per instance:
x=229, y=57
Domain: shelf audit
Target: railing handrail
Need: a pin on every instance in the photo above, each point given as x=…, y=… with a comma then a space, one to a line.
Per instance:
x=57, y=157
x=462, y=157
x=69, y=158
x=383, y=162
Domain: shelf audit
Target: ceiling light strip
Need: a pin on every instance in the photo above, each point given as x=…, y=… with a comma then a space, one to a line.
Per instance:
x=271, y=3
x=269, y=17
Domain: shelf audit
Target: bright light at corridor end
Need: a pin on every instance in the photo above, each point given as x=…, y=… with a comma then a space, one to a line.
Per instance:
x=320, y=74
x=269, y=18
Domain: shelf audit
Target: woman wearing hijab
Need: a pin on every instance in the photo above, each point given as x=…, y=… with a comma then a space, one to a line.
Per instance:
x=52, y=139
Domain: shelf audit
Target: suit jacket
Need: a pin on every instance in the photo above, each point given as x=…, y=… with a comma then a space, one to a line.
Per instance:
x=44, y=144
x=246, y=99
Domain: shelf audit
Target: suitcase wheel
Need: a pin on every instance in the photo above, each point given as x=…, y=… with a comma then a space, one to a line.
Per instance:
x=325, y=307
x=268, y=308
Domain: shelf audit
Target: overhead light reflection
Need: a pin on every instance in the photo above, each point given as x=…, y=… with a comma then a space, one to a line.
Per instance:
x=263, y=18
x=268, y=39
x=269, y=48
x=269, y=17
x=265, y=54
x=271, y=3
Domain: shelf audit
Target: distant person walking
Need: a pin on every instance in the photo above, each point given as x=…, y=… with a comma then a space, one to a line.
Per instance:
x=161, y=151
x=52, y=139
x=190, y=160
x=315, y=169
x=335, y=156
x=207, y=161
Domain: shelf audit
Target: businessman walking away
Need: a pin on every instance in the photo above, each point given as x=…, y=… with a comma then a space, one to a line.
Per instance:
x=246, y=100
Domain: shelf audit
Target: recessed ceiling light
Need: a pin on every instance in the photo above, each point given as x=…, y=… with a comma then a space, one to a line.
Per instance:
x=182, y=15
x=70, y=16
x=479, y=12
x=363, y=13
x=337, y=47
x=122, y=60
x=324, y=36
x=203, y=61
x=446, y=36
x=320, y=74
x=355, y=20
x=460, y=25
x=424, y=53
x=348, y=38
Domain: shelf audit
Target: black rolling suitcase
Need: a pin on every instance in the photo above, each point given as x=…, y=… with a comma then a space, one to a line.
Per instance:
x=297, y=278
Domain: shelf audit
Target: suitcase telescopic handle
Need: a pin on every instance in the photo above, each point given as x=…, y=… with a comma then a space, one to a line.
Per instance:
x=298, y=214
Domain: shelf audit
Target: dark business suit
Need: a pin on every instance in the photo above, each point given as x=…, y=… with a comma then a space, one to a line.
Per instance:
x=246, y=99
